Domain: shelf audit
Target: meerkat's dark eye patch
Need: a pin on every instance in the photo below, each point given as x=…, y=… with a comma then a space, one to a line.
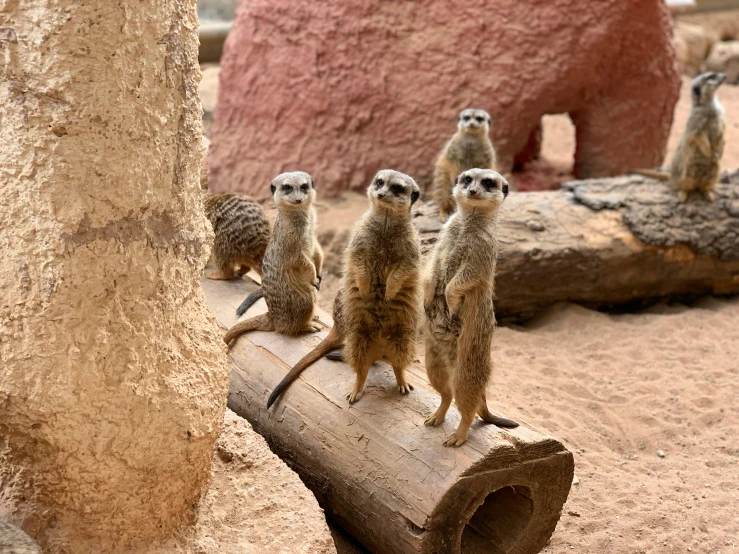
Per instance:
x=480, y=119
x=467, y=180
x=379, y=183
x=489, y=184
x=466, y=118
x=287, y=189
x=304, y=187
x=397, y=190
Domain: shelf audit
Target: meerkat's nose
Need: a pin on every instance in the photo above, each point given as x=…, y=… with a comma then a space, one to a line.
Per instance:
x=380, y=195
x=473, y=192
x=298, y=200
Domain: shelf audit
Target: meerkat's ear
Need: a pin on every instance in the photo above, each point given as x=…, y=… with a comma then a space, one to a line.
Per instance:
x=456, y=181
x=505, y=189
x=313, y=183
x=414, y=196
x=272, y=188
x=697, y=89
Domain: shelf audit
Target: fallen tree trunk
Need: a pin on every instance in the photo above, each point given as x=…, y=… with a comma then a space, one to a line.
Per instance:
x=376, y=468
x=609, y=242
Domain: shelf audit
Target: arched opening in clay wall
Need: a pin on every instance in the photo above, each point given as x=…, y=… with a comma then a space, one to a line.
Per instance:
x=499, y=522
x=555, y=160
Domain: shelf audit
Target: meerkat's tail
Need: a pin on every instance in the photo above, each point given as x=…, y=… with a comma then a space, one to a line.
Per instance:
x=332, y=341
x=498, y=421
x=249, y=301
x=258, y=323
x=660, y=175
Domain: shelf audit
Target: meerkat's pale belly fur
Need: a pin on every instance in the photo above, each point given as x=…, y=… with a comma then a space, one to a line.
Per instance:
x=375, y=327
x=289, y=295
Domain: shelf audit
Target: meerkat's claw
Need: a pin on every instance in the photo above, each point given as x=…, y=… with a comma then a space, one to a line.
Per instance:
x=454, y=441
x=316, y=318
x=434, y=420
x=354, y=396
x=405, y=388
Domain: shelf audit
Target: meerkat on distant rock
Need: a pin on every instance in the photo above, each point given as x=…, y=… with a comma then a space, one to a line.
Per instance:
x=377, y=311
x=697, y=161
x=241, y=231
x=459, y=287
x=469, y=147
x=291, y=271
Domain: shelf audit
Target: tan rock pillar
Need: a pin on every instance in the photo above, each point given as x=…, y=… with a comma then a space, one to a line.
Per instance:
x=112, y=376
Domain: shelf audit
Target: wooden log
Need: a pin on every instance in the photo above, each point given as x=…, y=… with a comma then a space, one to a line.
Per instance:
x=609, y=243
x=374, y=466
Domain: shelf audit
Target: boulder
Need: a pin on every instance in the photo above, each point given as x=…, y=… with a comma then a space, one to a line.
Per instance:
x=342, y=89
x=692, y=44
x=724, y=57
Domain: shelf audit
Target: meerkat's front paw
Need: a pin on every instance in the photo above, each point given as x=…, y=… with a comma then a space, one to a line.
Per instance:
x=443, y=216
x=683, y=196
x=404, y=388
x=311, y=328
x=434, y=420
x=710, y=195
x=354, y=396
x=455, y=439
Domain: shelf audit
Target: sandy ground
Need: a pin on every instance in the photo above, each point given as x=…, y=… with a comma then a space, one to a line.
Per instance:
x=619, y=391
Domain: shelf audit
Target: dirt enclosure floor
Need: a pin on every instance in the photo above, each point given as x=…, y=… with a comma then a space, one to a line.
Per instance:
x=648, y=403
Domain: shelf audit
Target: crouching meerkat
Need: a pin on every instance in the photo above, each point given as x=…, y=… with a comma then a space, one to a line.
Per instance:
x=241, y=231
x=291, y=270
x=469, y=147
x=377, y=310
x=459, y=286
x=697, y=161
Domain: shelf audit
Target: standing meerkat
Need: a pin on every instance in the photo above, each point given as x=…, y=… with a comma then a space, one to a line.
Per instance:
x=469, y=147
x=377, y=310
x=291, y=271
x=459, y=287
x=697, y=161
x=241, y=231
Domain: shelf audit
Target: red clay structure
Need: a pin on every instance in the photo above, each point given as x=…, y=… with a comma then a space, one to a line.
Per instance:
x=343, y=89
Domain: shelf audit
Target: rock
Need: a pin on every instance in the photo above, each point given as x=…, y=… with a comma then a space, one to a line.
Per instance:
x=575, y=480
x=692, y=44
x=661, y=453
x=724, y=57
x=342, y=89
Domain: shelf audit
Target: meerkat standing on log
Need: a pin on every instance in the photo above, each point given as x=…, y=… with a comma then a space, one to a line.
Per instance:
x=377, y=311
x=469, y=147
x=291, y=271
x=241, y=231
x=697, y=160
x=459, y=287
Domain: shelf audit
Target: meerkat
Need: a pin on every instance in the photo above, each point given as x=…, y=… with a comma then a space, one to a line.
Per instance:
x=697, y=161
x=14, y=540
x=459, y=286
x=377, y=311
x=291, y=271
x=469, y=147
x=241, y=231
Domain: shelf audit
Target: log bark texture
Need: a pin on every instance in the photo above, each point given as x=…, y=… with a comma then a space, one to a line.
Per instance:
x=113, y=376
x=376, y=468
x=608, y=243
